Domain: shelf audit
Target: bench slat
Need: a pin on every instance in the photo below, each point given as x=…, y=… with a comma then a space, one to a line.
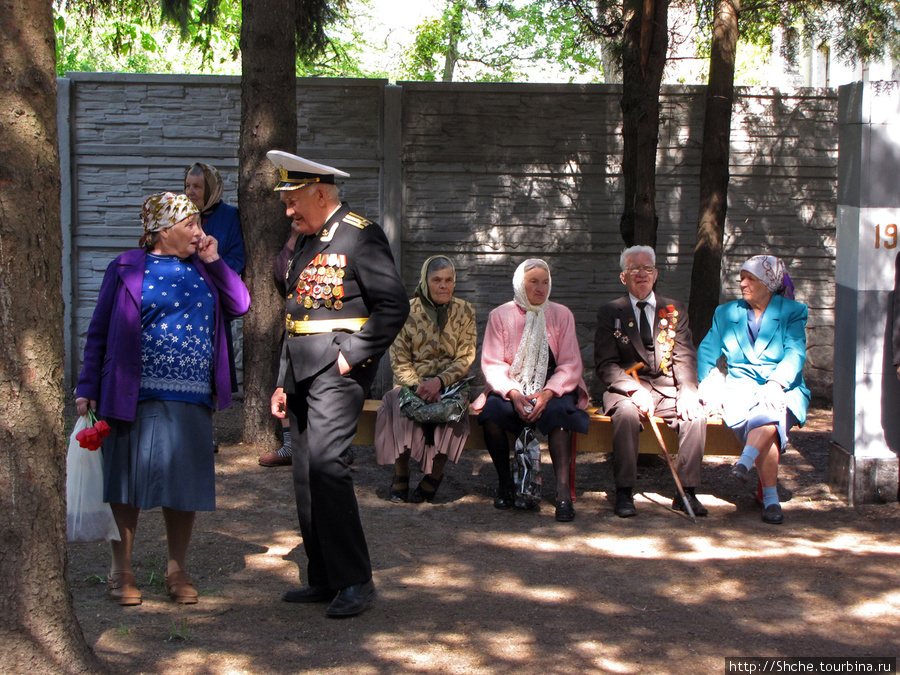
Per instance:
x=720, y=440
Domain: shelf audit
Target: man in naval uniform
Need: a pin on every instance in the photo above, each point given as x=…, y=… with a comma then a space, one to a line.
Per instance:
x=644, y=328
x=345, y=305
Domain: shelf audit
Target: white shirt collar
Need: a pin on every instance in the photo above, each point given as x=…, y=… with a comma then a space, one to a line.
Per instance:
x=651, y=306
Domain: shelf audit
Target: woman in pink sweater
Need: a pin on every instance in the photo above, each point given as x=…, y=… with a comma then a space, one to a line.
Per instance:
x=532, y=366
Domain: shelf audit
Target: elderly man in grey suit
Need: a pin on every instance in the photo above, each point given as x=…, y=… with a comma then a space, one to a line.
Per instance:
x=644, y=328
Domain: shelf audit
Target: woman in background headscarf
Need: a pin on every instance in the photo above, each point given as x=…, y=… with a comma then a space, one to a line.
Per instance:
x=203, y=185
x=532, y=367
x=432, y=353
x=763, y=338
x=155, y=366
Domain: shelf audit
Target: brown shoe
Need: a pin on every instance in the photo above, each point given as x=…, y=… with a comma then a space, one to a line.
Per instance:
x=274, y=459
x=180, y=588
x=122, y=589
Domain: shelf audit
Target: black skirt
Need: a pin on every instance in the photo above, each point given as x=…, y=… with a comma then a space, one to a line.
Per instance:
x=560, y=411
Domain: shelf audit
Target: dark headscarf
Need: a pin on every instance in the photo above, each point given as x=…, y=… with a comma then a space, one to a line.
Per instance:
x=437, y=313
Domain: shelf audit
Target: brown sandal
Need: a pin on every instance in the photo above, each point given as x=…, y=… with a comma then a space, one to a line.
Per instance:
x=180, y=588
x=123, y=589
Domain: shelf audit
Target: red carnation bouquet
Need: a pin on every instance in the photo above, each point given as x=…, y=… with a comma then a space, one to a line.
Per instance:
x=92, y=437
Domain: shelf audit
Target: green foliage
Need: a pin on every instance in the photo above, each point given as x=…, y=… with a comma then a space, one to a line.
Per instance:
x=866, y=30
x=124, y=37
x=511, y=40
x=198, y=36
x=347, y=51
x=471, y=40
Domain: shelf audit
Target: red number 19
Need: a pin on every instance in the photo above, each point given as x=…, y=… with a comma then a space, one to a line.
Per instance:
x=889, y=236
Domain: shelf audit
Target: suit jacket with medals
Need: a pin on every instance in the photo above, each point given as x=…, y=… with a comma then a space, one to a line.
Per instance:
x=618, y=346
x=370, y=288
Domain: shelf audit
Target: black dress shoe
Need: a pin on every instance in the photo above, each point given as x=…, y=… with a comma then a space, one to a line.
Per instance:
x=309, y=594
x=624, y=507
x=504, y=498
x=352, y=600
x=698, y=508
x=565, y=512
x=772, y=514
x=740, y=472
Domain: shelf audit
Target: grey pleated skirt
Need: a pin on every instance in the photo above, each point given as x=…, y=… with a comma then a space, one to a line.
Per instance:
x=163, y=458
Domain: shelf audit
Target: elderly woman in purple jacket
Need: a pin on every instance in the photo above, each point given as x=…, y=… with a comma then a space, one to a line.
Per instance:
x=155, y=367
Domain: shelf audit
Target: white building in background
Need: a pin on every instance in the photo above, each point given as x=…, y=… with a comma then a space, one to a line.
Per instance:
x=821, y=68
x=756, y=66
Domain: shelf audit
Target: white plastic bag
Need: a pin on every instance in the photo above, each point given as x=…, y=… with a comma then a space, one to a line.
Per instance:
x=88, y=517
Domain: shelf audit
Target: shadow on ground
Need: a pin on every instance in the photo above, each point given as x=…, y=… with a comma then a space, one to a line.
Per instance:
x=464, y=588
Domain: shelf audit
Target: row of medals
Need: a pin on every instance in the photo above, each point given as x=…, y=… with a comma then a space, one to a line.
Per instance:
x=321, y=287
x=666, y=339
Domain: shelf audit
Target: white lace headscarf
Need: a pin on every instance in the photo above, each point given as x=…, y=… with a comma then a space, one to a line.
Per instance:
x=529, y=367
x=768, y=269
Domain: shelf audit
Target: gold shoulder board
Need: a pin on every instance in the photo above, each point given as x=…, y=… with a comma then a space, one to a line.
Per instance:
x=356, y=221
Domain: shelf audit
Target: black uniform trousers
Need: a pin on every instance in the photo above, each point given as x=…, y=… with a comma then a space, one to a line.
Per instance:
x=324, y=412
x=627, y=424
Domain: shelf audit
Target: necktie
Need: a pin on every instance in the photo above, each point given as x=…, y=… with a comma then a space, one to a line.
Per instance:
x=646, y=332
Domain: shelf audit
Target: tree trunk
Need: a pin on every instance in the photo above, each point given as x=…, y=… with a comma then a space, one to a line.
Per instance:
x=706, y=275
x=268, y=122
x=454, y=13
x=38, y=628
x=451, y=58
x=644, y=57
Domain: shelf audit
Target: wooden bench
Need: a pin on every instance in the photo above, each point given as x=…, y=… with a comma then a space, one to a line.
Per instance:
x=720, y=440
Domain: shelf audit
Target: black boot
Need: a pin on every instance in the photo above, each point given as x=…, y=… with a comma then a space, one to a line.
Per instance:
x=624, y=503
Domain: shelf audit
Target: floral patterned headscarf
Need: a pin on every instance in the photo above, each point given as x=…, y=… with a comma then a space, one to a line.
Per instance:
x=164, y=209
x=768, y=269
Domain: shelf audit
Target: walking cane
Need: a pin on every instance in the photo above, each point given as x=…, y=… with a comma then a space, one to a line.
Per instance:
x=662, y=444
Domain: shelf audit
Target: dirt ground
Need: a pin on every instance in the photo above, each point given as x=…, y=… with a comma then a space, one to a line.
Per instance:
x=464, y=588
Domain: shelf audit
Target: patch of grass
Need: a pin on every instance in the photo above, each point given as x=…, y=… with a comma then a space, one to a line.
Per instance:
x=123, y=630
x=180, y=632
x=95, y=579
x=156, y=575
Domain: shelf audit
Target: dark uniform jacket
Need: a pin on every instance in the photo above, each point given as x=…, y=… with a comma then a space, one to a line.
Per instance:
x=669, y=369
x=344, y=273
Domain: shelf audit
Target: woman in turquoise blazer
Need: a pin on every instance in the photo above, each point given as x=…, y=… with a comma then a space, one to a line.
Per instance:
x=763, y=338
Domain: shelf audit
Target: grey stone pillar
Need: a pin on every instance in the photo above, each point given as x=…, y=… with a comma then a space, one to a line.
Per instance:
x=392, y=178
x=866, y=434
x=391, y=203
x=66, y=218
